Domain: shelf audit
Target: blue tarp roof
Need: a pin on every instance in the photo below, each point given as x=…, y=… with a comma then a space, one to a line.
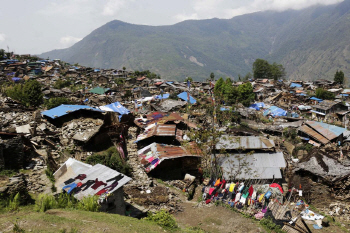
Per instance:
x=225, y=108
x=165, y=96
x=317, y=99
x=292, y=85
x=275, y=111
x=169, y=82
x=183, y=96
x=16, y=79
x=115, y=107
x=334, y=129
x=257, y=106
x=344, y=94
x=66, y=109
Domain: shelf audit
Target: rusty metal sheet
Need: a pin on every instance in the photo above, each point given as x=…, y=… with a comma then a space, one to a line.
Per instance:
x=309, y=131
x=324, y=129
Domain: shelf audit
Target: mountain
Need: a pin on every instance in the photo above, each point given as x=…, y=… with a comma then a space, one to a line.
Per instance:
x=311, y=44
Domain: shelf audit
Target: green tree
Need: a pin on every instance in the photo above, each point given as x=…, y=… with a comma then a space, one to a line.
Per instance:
x=277, y=71
x=219, y=87
x=339, y=77
x=29, y=94
x=245, y=94
x=2, y=54
x=261, y=69
x=124, y=68
x=230, y=93
x=188, y=79
x=324, y=94
x=212, y=76
x=60, y=83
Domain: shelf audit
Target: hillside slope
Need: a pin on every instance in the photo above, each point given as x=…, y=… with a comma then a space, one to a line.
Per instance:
x=310, y=43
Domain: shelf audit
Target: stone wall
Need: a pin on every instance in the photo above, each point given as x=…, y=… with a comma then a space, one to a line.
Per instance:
x=115, y=203
x=13, y=153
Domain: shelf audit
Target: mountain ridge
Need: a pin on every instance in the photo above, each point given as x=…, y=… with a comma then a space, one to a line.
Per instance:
x=310, y=43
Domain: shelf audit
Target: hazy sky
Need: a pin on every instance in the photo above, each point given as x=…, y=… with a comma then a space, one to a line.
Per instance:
x=36, y=26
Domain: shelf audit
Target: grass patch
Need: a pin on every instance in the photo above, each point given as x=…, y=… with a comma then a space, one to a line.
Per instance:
x=163, y=218
x=213, y=221
x=8, y=173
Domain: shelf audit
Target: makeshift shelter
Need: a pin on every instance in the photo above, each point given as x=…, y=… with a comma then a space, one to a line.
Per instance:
x=115, y=107
x=67, y=109
x=295, y=85
x=184, y=96
x=164, y=96
x=317, y=99
x=252, y=166
x=104, y=182
x=170, y=162
x=275, y=111
x=257, y=106
x=99, y=90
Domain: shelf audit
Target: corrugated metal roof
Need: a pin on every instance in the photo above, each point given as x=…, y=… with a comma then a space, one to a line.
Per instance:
x=245, y=142
x=312, y=133
x=158, y=117
x=153, y=154
x=72, y=168
x=161, y=130
x=252, y=166
x=66, y=109
x=328, y=131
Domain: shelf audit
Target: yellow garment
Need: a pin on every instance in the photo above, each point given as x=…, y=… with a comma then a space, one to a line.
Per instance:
x=217, y=182
x=232, y=186
x=261, y=197
x=249, y=201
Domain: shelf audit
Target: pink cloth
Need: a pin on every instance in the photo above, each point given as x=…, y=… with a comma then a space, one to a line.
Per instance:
x=259, y=215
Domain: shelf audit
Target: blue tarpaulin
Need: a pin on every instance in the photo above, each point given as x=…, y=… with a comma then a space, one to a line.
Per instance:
x=16, y=79
x=257, y=106
x=183, y=96
x=275, y=111
x=317, y=99
x=115, y=107
x=225, y=108
x=165, y=96
x=66, y=109
x=292, y=85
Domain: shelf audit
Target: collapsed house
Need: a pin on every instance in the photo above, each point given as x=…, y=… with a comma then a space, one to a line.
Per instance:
x=322, y=133
x=83, y=180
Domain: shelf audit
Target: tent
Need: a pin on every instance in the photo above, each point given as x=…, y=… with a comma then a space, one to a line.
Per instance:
x=99, y=90
x=275, y=111
x=257, y=106
x=293, y=85
x=183, y=96
x=115, y=107
x=159, y=97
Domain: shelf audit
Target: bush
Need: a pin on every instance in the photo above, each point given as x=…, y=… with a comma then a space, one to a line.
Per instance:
x=110, y=158
x=163, y=218
x=89, y=204
x=45, y=202
x=14, y=203
x=29, y=94
x=54, y=102
x=269, y=225
x=60, y=83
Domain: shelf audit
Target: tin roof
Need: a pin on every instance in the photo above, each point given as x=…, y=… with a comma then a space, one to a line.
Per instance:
x=153, y=154
x=161, y=130
x=312, y=133
x=72, y=168
x=328, y=131
x=252, y=166
x=245, y=142
x=156, y=117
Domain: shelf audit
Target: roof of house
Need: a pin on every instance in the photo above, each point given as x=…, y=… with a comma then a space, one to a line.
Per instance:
x=252, y=166
x=115, y=107
x=326, y=130
x=326, y=104
x=155, y=153
x=99, y=90
x=66, y=109
x=72, y=168
x=230, y=142
x=312, y=133
x=184, y=96
x=166, y=130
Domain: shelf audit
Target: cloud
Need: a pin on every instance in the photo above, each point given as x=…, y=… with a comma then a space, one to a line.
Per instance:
x=68, y=41
x=2, y=37
x=113, y=6
x=183, y=17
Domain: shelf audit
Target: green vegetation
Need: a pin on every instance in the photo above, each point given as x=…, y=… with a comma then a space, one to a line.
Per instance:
x=147, y=73
x=110, y=158
x=324, y=94
x=8, y=173
x=224, y=91
x=60, y=83
x=29, y=94
x=263, y=70
x=188, y=79
x=163, y=218
x=14, y=203
x=270, y=226
x=56, y=101
x=339, y=77
x=119, y=81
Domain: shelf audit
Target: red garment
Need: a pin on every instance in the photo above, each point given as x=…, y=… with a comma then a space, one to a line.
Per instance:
x=101, y=192
x=223, y=184
x=98, y=184
x=79, y=184
x=251, y=190
x=275, y=185
x=207, y=201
